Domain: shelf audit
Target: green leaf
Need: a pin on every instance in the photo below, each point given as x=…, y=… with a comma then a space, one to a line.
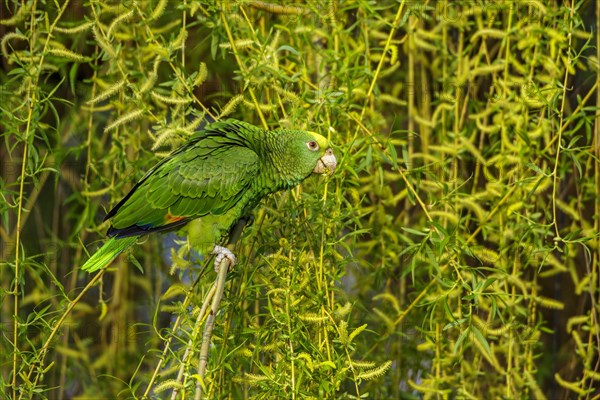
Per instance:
x=414, y=231
x=482, y=341
x=135, y=262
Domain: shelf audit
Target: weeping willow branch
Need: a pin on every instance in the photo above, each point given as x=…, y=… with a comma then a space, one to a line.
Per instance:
x=219, y=286
x=190, y=346
x=46, y=346
x=213, y=299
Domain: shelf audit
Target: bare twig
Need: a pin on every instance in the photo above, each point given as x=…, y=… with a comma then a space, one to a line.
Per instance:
x=210, y=323
x=168, y=341
x=190, y=346
x=212, y=300
x=219, y=286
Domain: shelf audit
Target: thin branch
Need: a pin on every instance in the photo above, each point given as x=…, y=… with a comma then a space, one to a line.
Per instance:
x=59, y=323
x=190, y=346
x=219, y=286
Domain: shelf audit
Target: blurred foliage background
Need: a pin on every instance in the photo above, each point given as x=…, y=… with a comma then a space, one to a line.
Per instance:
x=454, y=254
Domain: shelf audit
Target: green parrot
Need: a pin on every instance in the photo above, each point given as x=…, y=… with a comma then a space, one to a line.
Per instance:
x=219, y=175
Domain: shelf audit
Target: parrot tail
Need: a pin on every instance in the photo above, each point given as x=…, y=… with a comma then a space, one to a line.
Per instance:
x=108, y=252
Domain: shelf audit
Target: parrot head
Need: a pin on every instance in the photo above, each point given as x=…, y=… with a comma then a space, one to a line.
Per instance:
x=326, y=163
x=305, y=153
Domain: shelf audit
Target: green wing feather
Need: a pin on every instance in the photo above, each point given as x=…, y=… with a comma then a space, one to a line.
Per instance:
x=208, y=175
x=189, y=188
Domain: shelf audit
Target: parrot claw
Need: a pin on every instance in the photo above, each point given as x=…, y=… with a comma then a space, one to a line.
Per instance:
x=221, y=253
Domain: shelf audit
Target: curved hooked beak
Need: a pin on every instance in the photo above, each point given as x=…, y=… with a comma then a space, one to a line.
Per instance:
x=326, y=164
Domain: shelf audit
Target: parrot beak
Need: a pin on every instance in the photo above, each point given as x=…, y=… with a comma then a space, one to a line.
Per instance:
x=326, y=164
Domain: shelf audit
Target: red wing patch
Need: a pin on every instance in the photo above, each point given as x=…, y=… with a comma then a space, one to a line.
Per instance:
x=169, y=219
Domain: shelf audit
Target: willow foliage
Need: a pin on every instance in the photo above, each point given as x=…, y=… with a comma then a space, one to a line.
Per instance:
x=454, y=254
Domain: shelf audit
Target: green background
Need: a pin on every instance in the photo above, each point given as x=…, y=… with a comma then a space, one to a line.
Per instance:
x=454, y=253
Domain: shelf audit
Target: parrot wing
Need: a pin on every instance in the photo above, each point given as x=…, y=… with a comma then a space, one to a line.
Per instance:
x=209, y=174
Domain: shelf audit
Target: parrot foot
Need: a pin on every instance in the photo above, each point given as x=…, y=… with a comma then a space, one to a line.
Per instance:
x=221, y=253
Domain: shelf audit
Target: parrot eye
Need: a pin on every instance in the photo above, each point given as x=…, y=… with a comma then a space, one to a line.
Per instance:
x=312, y=145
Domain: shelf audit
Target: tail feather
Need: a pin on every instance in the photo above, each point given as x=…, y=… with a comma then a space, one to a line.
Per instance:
x=108, y=252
